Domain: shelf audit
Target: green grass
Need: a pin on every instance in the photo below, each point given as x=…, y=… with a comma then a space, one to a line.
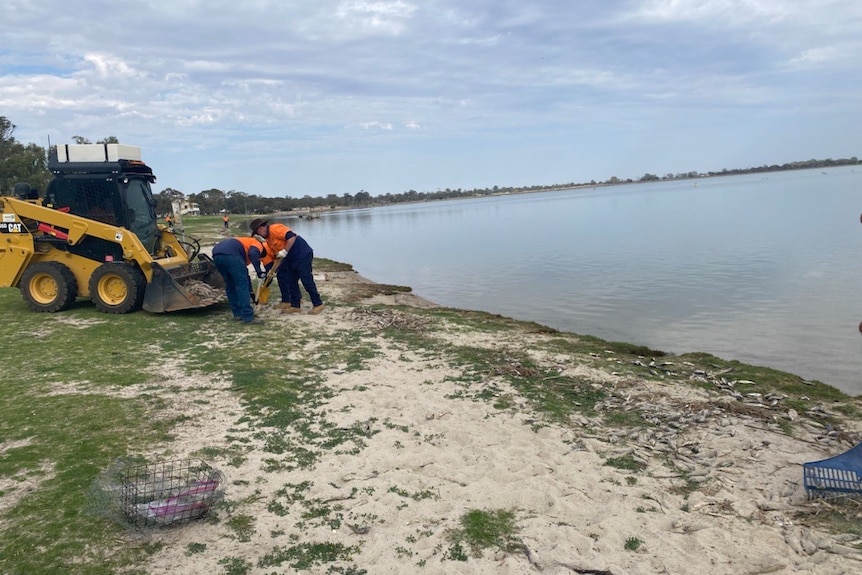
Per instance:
x=483, y=370
x=66, y=428
x=210, y=229
x=632, y=544
x=626, y=463
x=83, y=389
x=482, y=529
x=66, y=418
x=242, y=527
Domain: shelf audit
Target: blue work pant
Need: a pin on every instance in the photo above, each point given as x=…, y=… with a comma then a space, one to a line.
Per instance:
x=234, y=270
x=290, y=273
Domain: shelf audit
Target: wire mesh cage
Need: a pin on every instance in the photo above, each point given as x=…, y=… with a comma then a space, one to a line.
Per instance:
x=836, y=476
x=168, y=493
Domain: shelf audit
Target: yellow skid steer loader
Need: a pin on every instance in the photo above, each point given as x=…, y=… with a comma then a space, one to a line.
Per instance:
x=95, y=235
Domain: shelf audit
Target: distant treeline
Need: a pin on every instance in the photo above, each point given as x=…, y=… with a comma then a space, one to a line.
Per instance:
x=214, y=200
x=29, y=163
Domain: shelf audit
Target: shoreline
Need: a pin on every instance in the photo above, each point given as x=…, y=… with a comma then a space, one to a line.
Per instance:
x=364, y=440
x=816, y=347
x=420, y=301
x=707, y=480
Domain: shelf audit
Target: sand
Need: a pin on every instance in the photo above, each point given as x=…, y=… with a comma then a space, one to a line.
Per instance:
x=721, y=492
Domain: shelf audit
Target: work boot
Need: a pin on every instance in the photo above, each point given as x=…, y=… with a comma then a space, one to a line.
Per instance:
x=316, y=310
x=289, y=309
x=255, y=321
x=282, y=305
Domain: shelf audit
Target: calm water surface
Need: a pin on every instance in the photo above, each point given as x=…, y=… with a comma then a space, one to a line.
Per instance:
x=760, y=268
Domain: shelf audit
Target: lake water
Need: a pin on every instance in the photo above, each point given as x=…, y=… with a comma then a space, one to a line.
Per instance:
x=760, y=268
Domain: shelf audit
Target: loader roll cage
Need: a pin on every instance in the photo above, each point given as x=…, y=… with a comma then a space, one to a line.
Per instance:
x=120, y=195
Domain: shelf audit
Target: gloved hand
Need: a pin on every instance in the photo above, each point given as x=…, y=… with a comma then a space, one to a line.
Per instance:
x=261, y=274
x=282, y=253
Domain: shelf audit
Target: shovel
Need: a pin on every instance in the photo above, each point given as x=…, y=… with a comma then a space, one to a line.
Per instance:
x=262, y=295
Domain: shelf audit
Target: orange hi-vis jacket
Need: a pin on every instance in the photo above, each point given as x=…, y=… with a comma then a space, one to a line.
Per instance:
x=277, y=238
x=248, y=243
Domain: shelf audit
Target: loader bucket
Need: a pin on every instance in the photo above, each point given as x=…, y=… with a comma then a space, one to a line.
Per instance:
x=194, y=285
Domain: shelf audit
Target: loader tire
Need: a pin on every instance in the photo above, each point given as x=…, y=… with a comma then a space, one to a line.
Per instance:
x=48, y=287
x=117, y=288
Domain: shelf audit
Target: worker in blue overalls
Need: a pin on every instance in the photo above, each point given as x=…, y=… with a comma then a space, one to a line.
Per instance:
x=232, y=257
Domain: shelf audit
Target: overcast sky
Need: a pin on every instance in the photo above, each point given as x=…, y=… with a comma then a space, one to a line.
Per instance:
x=317, y=97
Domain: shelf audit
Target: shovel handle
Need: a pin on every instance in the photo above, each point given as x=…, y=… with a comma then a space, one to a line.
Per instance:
x=264, y=283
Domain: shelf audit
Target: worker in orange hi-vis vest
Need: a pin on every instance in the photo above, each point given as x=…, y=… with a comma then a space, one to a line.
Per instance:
x=296, y=267
x=226, y=221
x=231, y=258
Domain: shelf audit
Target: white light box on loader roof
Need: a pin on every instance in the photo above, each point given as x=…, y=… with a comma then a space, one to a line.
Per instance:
x=97, y=152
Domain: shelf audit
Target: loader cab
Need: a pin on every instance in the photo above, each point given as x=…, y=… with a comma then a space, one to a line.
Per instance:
x=114, y=191
x=139, y=209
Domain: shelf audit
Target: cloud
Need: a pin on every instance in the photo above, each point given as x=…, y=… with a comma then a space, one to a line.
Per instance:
x=476, y=91
x=715, y=11
x=820, y=56
x=376, y=17
x=111, y=68
x=374, y=125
